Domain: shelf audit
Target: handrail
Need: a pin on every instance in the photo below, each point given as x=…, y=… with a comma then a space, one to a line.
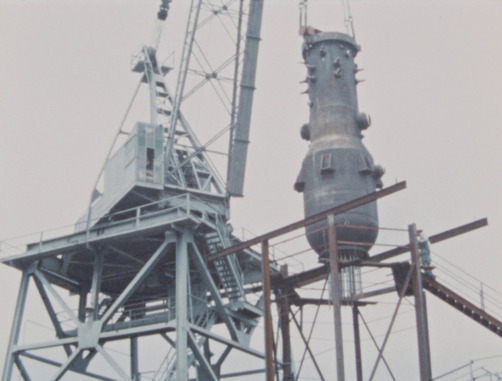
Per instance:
x=17, y=245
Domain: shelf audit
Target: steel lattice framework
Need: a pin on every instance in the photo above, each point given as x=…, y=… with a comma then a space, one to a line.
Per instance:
x=137, y=264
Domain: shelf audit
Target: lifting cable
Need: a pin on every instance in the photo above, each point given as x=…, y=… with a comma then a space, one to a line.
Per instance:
x=303, y=5
x=347, y=18
x=161, y=18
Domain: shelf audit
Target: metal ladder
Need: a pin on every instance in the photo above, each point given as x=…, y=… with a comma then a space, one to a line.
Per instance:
x=227, y=268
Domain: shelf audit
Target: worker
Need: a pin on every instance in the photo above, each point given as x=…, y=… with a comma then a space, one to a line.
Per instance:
x=424, y=247
x=164, y=9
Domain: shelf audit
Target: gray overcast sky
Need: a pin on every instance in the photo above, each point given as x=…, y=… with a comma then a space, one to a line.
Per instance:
x=433, y=89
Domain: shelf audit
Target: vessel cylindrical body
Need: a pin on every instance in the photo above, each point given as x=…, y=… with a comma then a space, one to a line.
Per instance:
x=337, y=167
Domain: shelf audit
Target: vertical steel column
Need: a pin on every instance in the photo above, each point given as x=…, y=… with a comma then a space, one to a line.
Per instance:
x=82, y=304
x=135, y=376
x=283, y=305
x=16, y=326
x=335, y=295
x=420, y=311
x=181, y=307
x=96, y=284
x=357, y=342
x=267, y=312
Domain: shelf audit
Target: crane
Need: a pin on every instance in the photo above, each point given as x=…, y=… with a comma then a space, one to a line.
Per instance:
x=137, y=262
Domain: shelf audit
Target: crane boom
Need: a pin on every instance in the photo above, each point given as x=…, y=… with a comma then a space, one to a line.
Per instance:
x=240, y=138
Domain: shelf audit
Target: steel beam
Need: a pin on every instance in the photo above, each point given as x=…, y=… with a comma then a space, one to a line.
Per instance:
x=392, y=320
x=41, y=277
x=97, y=276
x=52, y=314
x=58, y=364
x=357, y=342
x=135, y=376
x=420, y=312
x=376, y=346
x=433, y=239
x=22, y=369
x=462, y=305
x=307, y=346
x=204, y=363
x=113, y=363
x=137, y=280
x=244, y=373
x=267, y=313
x=335, y=296
x=63, y=368
x=46, y=344
x=310, y=220
x=214, y=290
x=16, y=326
x=224, y=340
x=319, y=273
x=181, y=307
x=240, y=136
x=149, y=329
x=282, y=299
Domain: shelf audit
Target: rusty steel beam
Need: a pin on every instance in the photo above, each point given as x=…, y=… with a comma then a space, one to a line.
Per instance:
x=303, y=278
x=267, y=312
x=310, y=220
x=462, y=304
x=433, y=239
x=420, y=309
x=307, y=346
x=318, y=273
x=357, y=343
x=336, y=297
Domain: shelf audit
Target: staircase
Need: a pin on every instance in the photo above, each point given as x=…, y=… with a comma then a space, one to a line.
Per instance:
x=461, y=304
x=227, y=268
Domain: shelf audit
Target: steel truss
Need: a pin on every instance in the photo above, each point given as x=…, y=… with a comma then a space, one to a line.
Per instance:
x=410, y=281
x=133, y=279
x=203, y=296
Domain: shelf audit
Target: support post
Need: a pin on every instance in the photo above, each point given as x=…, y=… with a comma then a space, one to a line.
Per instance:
x=181, y=307
x=357, y=342
x=267, y=311
x=82, y=304
x=96, y=284
x=283, y=306
x=420, y=309
x=335, y=295
x=134, y=359
x=16, y=326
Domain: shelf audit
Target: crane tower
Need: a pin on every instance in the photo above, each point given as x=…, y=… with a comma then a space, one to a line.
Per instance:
x=137, y=263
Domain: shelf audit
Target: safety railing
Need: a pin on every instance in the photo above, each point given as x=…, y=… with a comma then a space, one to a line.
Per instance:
x=177, y=206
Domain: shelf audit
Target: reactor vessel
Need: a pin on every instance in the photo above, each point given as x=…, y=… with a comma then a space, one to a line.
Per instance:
x=337, y=167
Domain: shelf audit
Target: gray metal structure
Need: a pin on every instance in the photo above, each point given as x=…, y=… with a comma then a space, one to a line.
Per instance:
x=137, y=264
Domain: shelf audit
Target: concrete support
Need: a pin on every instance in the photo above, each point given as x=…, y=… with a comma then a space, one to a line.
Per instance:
x=420, y=309
x=335, y=295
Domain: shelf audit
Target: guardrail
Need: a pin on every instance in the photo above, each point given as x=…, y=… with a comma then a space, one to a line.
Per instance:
x=181, y=204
